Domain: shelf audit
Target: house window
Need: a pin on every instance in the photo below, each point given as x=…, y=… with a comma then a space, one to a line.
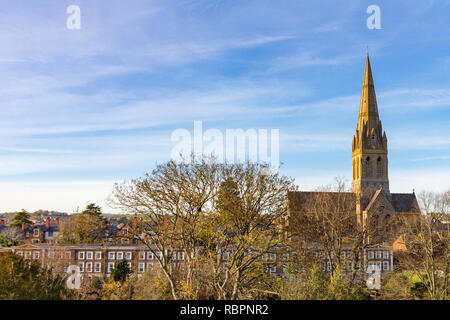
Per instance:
x=98, y=255
x=88, y=266
x=110, y=266
x=81, y=266
x=385, y=265
x=81, y=255
x=98, y=265
x=35, y=241
x=378, y=254
x=89, y=255
x=149, y=265
x=273, y=269
x=20, y=253
x=379, y=265
x=36, y=232
x=159, y=254
x=149, y=255
x=68, y=255
x=36, y=255
x=385, y=254
x=142, y=255
x=111, y=255
x=370, y=254
x=119, y=255
x=27, y=255
x=128, y=255
x=180, y=255
x=273, y=256
x=141, y=267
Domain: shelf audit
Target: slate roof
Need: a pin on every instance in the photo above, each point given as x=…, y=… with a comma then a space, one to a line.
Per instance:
x=299, y=200
x=404, y=202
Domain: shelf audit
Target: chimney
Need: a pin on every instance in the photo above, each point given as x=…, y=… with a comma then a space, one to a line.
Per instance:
x=23, y=226
x=47, y=223
x=134, y=223
x=2, y=223
x=56, y=220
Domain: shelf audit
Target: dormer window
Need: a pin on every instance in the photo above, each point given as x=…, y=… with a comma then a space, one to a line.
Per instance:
x=36, y=232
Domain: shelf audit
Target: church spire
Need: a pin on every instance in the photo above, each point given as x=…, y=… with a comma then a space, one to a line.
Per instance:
x=369, y=145
x=368, y=109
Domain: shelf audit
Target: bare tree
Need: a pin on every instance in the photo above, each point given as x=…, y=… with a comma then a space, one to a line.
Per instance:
x=323, y=224
x=246, y=226
x=170, y=203
x=427, y=238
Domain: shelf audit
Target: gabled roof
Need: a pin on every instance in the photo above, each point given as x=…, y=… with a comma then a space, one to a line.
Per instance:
x=405, y=202
x=299, y=200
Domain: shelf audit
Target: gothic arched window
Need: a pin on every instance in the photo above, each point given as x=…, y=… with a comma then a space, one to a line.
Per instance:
x=379, y=167
x=354, y=169
x=368, y=167
x=357, y=168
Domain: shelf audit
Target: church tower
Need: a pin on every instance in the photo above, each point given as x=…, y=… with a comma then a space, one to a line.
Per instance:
x=369, y=146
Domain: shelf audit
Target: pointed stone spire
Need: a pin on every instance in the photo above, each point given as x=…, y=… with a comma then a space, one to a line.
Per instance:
x=368, y=109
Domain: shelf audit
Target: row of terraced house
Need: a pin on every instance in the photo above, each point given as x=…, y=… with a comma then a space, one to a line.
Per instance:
x=99, y=260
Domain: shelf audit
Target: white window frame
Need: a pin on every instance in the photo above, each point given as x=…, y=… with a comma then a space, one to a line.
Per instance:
x=35, y=232
x=371, y=255
x=149, y=265
x=142, y=255
x=89, y=255
x=36, y=255
x=111, y=255
x=98, y=255
x=81, y=266
x=378, y=255
x=81, y=255
x=385, y=254
x=119, y=254
x=385, y=265
x=110, y=266
x=180, y=255
x=88, y=266
x=97, y=267
x=128, y=255
x=141, y=267
x=149, y=255
x=273, y=269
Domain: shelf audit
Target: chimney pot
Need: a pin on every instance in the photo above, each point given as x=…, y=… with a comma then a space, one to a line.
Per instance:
x=47, y=223
x=56, y=220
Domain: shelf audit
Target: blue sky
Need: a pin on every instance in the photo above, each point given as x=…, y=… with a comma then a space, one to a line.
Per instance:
x=82, y=109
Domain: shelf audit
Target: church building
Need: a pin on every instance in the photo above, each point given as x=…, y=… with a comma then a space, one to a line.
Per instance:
x=370, y=195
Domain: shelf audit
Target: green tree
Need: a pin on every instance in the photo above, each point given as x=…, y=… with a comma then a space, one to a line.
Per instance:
x=22, y=217
x=6, y=241
x=93, y=210
x=121, y=271
x=27, y=280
